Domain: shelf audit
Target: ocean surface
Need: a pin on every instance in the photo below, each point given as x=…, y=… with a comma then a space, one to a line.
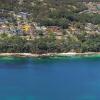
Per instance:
x=64, y=78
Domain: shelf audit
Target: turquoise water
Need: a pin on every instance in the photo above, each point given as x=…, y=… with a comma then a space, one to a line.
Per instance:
x=50, y=78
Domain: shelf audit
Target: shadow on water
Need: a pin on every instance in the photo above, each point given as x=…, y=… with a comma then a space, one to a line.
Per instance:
x=64, y=59
x=12, y=62
x=18, y=62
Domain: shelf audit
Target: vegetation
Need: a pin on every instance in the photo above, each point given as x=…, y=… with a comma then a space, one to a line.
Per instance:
x=16, y=44
x=52, y=12
x=46, y=12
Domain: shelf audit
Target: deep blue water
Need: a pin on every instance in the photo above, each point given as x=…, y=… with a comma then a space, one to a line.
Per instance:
x=49, y=78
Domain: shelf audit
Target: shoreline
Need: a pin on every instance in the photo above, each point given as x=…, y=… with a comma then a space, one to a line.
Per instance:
x=69, y=54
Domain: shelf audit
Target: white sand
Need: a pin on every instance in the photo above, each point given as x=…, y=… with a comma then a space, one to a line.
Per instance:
x=48, y=54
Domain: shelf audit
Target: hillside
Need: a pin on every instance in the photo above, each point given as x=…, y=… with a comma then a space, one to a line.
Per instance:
x=45, y=11
x=44, y=26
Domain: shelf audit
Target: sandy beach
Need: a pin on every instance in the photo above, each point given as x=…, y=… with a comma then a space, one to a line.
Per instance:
x=49, y=54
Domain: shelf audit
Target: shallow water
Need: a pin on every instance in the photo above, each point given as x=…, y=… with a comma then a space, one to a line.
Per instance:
x=73, y=78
